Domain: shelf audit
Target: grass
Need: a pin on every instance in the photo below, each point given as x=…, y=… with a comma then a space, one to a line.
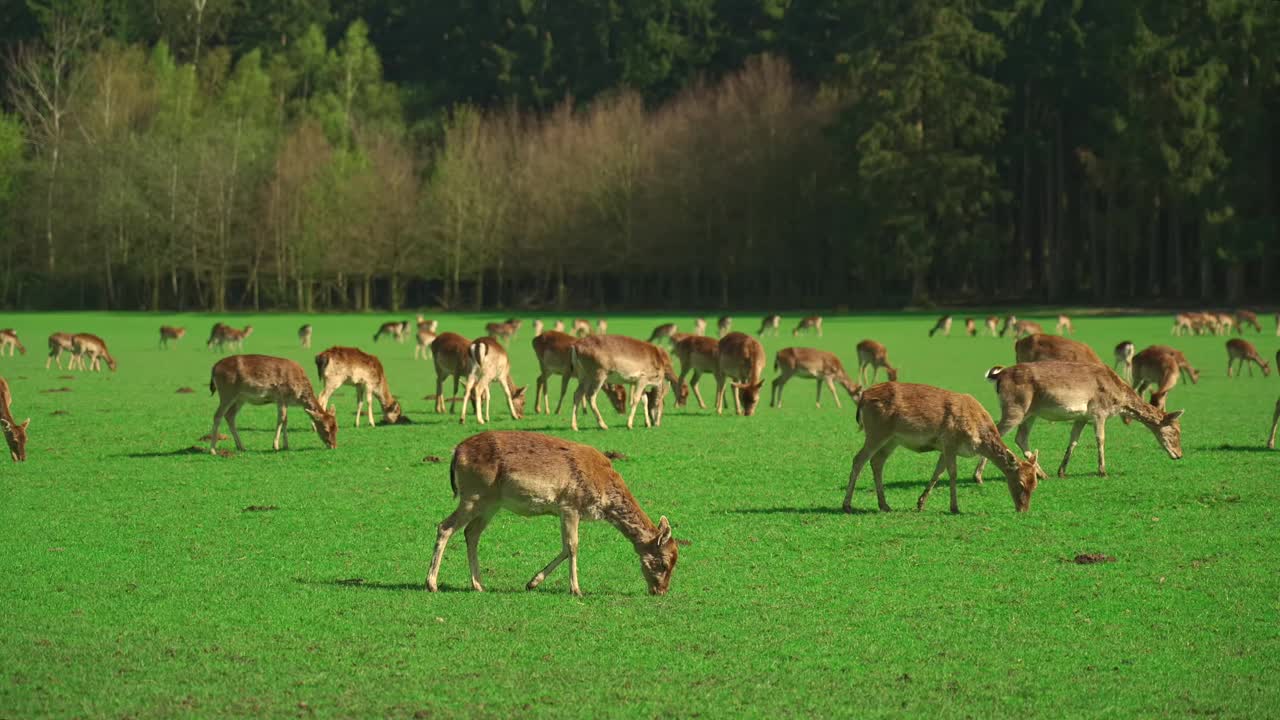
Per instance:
x=137, y=585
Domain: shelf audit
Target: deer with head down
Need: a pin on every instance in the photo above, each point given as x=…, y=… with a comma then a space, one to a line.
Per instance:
x=394, y=329
x=1182, y=324
x=943, y=326
x=15, y=433
x=665, y=331
x=770, y=322
x=264, y=380
x=554, y=351
x=741, y=359
x=450, y=353
x=340, y=366
x=1247, y=317
x=872, y=354
x=618, y=360
x=168, y=333
x=698, y=355
x=923, y=418
x=1243, y=352
x=970, y=327
x=488, y=364
x=85, y=345
x=822, y=366
x=534, y=474
x=224, y=337
x=811, y=323
x=1159, y=367
x=9, y=340
x=59, y=343
x=504, y=331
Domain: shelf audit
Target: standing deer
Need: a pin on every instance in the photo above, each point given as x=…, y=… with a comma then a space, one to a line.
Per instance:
x=1182, y=324
x=224, y=337
x=770, y=322
x=538, y=327
x=1064, y=326
x=970, y=327
x=262, y=380
x=15, y=433
x=741, y=358
x=489, y=364
x=664, y=331
x=1082, y=393
x=1022, y=328
x=1038, y=348
x=601, y=359
x=872, y=354
x=504, y=331
x=602, y=326
x=450, y=352
x=422, y=342
x=340, y=366
x=215, y=336
x=943, y=325
x=1247, y=317
x=581, y=327
x=9, y=339
x=991, y=323
x=1226, y=324
x=534, y=474
x=395, y=329
x=822, y=366
x=554, y=351
x=59, y=343
x=1243, y=352
x=1010, y=323
x=1160, y=367
x=924, y=418
x=812, y=322
x=559, y=326
x=724, y=325
x=1124, y=360
x=168, y=333
x=93, y=347
x=700, y=326
x=304, y=335
x=698, y=355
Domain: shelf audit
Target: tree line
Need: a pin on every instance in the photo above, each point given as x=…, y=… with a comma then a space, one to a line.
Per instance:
x=210, y=154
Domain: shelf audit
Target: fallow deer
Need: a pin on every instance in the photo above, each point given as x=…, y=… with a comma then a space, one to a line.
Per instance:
x=970, y=327
x=724, y=325
x=431, y=326
x=1010, y=323
x=422, y=342
x=1226, y=323
x=559, y=326
x=1040, y=347
x=770, y=322
x=1081, y=393
x=1159, y=367
x=215, y=336
x=872, y=354
x=581, y=327
x=450, y=352
x=15, y=433
x=503, y=331
x=554, y=351
x=534, y=474
x=168, y=333
x=943, y=325
x=698, y=355
x=1023, y=328
x=1275, y=422
x=489, y=363
x=538, y=327
x=9, y=339
x=340, y=366
x=700, y=326
x=822, y=366
x=812, y=322
x=923, y=418
x=741, y=358
x=1182, y=324
x=1243, y=352
x=991, y=323
x=602, y=326
x=1124, y=360
x=59, y=343
x=394, y=329
x=664, y=331
x=224, y=337
x=263, y=380
x=1247, y=317
x=1064, y=326
x=304, y=335
x=84, y=345
x=620, y=360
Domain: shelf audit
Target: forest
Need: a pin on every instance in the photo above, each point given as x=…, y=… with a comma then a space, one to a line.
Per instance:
x=388, y=154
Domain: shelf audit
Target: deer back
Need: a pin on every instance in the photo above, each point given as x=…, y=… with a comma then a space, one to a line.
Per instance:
x=1039, y=347
x=742, y=357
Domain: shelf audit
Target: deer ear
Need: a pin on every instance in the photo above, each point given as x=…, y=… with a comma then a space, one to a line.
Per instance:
x=25, y=423
x=664, y=531
x=1172, y=417
x=518, y=393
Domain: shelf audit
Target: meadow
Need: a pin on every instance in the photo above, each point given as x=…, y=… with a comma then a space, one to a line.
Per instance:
x=143, y=579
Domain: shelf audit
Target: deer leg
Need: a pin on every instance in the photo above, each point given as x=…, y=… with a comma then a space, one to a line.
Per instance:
x=1275, y=422
x=1076, y=429
x=564, y=387
x=877, y=472
x=635, y=403
x=538, y=390
x=568, y=551
x=466, y=397
x=693, y=383
x=368, y=403
x=937, y=473
x=593, y=397
x=1100, y=431
x=472, y=533
x=869, y=448
x=439, y=392
x=232, y=416
x=453, y=399
x=456, y=519
x=834, y=395
x=953, y=472
x=511, y=401
x=282, y=427
x=217, y=420
x=737, y=398
x=720, y=378
x=1229, y=361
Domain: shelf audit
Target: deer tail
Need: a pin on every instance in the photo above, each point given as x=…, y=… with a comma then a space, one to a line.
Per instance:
x=994, y=373
x=322, y=362
x=453, y=474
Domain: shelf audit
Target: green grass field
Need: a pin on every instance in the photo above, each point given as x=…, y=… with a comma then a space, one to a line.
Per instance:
x=137, y=585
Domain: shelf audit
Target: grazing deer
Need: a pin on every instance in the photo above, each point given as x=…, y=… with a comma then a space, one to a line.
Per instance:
x=215, y=336
x=504, y=331
x=554, y=351
x=1124, y=360
x=1159, y=367
x=1182, y=324
x=665, y=331
x=304, y=335
x=820, y=365
x=619, y=360
x=450, y=352
x=422, y=342
x=812, y=322
x=943, y=325
x=538, y=327
x=340, y=366
x=991, y=323
x=394, y=329
x=9, y=339
x=95, y=348
x=1038, y=348
x=534, y=474
x=700, y=326
x=1247, y=317
x=741, y=358
x=1023, y=328
x=1226, y=323
x=698, y=355
x=168, y=333
x=873, y=355
x=15, y=433
x=489, y=364
x=970, y=327
x=724, y=325
x=770, y=322
x=224, y=337
x=602, y=326
x=1010, y=323
x=924, y=418
x=1082, y=393
x=559, y=326
x=1243, y=352
x=59, y=343
x=581, y=327
x=262, y=380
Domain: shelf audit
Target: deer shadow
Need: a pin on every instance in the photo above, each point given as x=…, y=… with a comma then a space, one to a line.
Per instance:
x=1227, y=447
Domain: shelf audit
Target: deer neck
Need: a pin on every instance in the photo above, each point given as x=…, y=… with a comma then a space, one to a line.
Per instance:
x=1133, y=406
x=992, y=447
x=625, y=514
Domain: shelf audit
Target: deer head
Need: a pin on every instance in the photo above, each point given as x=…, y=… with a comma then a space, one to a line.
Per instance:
x=1023, y=482
x=750, y=394
x=658, y=559
x=326, y=424
x=16, y=436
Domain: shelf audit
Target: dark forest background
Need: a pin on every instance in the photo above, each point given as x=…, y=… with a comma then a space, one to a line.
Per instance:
x=316, y=154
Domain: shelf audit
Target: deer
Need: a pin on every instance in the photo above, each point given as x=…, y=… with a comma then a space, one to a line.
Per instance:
x=943, y=325
x=1226, y=324
x=1243, y=352
x=770, y=322
x=923, y=418
x=538, y=327
x=665, y=331
x=168, y=333
x=700, y=326
x=554, y=351
x=822, y=366
x=1022, y=328
x=262, y=380
x=15, y=433
x=534, y=474
x=304, y=335
x=698, y=355
x=741, y=358
x=970, y=327
x=395, y=329
x=340, y=366
x=489, y=363
x=59, y=343
x=559, y=326
x=1124, y=360
x=1278, y=324
x=619, y=360
x=1159, y=367
x=431, y=326
x=1010, y=323
x=91, y=346
x=1247, y=317
x=503, y=331
x=9, y=339
x=581, y=327
x=422, y=342
x=1081, y=393
x=1064, y=326
x=724, y=325
x=450, y=352
x=1275, y=422
x=812, y=323
x=991, y=323
x=1040, y=347
x=872, y=354
x=602, y=326
x=224, y=337
x=1182, y=324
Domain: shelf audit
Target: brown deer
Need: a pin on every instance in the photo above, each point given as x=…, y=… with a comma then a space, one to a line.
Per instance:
x=422, y=342
x=534, y=474
x=558, y=326
x=168, y=333
x=93, y=347
x=581, y=327
x=698, y=355
x=812, y=322
x=489, y=363
x=9, y=339
x=538, y=327
x=1081, y=393
x=770, y=322
x=1040, y=347
x=741, y=358
x=431, y=326
x=1182, y=324
x=554, y=351
x=304, y=335
x=1243, y=352
x=1226, y=323
x=450, y=352
x=872, y=354
x=943, y=325
x=1010, y=323
x=395, y=329
x=15, y=433
x=991, y=323
x=262, y=380
x=724, y=325
x=1247, y=317
x=700, y=326
x=1022, y=328
x=224, y=337
x=340, y=366
x=1159, y=367
x=503, y=331
x=1124, y=360
x=822, y=366
x=664, y=331
x=619, y=360
x=215, y=336
x=59, y=343
x=923, y=418
x=1064, y=326
x=602, y=326
x=971, y=327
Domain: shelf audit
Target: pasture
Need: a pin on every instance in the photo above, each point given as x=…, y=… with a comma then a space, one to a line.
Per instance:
x=146, y=580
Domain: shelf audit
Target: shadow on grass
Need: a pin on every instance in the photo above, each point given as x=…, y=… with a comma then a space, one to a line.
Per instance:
x=203, y=449
x=1226, y=447
x=362, y=584
x=823, y=510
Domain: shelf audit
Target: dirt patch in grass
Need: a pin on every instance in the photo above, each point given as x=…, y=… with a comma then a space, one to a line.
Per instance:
x=59, y=412
x=184, y=391
x=260, y=508
x=431, y=459
x=207, y=437
x=615, y=455
x=66, y=377
x=57, y=390
x=1093, y=559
